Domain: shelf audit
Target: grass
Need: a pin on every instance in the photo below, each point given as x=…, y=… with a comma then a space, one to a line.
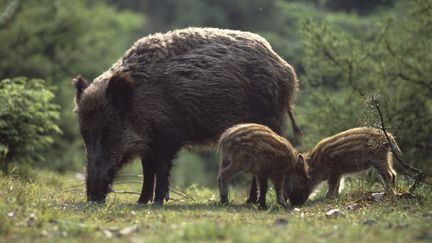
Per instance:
x=52, y=207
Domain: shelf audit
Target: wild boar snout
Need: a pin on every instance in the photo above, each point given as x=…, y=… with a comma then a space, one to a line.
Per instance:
x=99, y=180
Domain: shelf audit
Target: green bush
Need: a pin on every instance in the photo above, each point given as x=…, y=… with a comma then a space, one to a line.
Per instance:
x=391, y=58
x=28, y=120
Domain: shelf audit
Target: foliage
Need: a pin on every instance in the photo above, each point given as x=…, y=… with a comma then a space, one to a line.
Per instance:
x=54, y=39
x=28, y=120
x=8, y=12
x=384, y=61
x=167, y=14
x=57, y=40
x=52, y=208
x=360, y=6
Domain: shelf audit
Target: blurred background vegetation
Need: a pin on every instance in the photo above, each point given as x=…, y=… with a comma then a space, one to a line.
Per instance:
x=343, y=51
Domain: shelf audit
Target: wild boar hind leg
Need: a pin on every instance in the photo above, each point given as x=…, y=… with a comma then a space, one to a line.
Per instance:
x=163, y=150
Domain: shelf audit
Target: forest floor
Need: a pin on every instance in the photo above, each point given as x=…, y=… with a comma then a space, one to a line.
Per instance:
x=52, y=208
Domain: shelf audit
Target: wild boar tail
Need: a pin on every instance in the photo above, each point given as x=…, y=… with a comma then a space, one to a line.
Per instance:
x=296, y=129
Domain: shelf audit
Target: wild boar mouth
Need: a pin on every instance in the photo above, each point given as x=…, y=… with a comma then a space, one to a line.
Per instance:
x=97, y=191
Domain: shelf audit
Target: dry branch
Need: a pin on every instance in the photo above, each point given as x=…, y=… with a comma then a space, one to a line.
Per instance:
x=176, y=190
x=409, y=170
x=125, y=192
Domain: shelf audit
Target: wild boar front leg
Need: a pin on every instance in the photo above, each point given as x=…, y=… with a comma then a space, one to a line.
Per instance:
x=333, y=185
x=165, y=147
x=149, y=181
x=162, y=182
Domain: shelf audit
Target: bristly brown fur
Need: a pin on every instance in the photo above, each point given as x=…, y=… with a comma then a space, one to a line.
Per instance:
x=256, y=149
x=350, y=151
x=189, y=85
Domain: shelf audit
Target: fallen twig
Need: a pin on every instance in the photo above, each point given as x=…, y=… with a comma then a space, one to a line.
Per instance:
x=126, y=192
x=128, y=182
x=133, y=175
x=74, y=186
x=180, y=192
x=73, y=190
x=176, y=190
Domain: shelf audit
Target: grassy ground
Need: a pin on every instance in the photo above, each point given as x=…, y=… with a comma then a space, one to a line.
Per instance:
x=53, y=208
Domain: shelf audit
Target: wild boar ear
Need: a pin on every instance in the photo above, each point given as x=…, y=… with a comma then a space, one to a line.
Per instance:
x=119, y=91
x=80, y=85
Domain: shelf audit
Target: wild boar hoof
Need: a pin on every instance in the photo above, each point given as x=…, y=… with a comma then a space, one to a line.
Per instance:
x=145, y=199
x=251, y=201
x=143, y=202
x=158, y=202
x=223, y=203
x=283, y=205
x=224, y=200
x=262, y=206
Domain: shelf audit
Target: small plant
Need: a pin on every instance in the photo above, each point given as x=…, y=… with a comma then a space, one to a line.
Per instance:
x=28, y=120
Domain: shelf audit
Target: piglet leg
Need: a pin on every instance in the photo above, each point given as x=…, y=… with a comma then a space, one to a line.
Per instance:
x=262, y=183
x=253, y=192
x=333, y=186
x=224, y=178
x=278, y=184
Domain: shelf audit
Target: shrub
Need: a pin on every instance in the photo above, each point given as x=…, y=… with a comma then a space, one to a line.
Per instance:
x=57, y=40
x=390, y=59
x=28, y=119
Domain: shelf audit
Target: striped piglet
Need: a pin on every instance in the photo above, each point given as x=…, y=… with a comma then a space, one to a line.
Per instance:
x=350, y=151
x=257, y=150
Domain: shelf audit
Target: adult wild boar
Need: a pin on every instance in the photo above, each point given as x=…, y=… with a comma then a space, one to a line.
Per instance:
x=179, y=88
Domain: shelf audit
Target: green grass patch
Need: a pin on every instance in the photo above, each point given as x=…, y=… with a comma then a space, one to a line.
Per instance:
x=52, y=207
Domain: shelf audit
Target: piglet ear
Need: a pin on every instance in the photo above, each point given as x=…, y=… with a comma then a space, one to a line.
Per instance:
x=300, y=161
x=119, y=91
x=80, y=85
